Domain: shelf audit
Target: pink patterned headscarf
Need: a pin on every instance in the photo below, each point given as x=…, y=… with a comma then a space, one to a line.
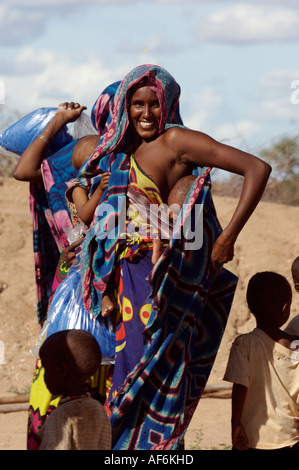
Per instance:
x=117, y=138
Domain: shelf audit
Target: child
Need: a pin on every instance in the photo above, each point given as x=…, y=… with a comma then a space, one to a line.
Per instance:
x=80, y=422
x=82, y=205
x=265, y=377
x=66, y=310
x=175, y=201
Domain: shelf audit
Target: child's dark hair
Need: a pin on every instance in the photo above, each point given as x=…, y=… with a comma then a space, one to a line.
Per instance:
x=76, y=347
x=268, y=292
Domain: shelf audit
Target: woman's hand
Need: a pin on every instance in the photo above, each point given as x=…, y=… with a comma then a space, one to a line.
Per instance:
x=223, y=250
x=86, y=208
x=28, y=167
x=69, y=112
x=104, y=181
x=69, y=254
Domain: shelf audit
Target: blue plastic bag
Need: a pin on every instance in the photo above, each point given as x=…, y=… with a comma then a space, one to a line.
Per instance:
x=66, y=312
x=22, y=133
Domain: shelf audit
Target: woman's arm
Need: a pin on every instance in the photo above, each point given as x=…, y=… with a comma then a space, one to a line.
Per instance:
x=29, y=165
x=199, y=149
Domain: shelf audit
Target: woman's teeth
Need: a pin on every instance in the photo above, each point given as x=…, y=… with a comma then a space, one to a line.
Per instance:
x=145, y=124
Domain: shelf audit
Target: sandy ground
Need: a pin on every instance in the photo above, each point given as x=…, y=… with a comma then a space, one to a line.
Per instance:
x=268, y=242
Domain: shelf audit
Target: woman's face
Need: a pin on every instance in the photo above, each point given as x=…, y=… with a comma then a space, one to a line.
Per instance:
x=145, y=113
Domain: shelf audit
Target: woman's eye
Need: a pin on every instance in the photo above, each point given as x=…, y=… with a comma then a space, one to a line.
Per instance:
x=137, y=104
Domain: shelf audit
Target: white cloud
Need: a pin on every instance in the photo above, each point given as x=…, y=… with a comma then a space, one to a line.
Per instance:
x=23, y=20
x=53, y=3
x=278, y=108
x=56, y=78
x=205, y=114
x=237, y=134
x=279, y=79
x=201, y=108
x=242, y=23
x=153, y=44
x=19, y=25
x=25, y=63
x=275, y=93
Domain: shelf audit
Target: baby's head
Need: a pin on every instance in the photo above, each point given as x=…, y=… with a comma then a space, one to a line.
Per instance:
x=295, y=273
x=83, y=149
x=69, y=358
x=180, y=190
x=269, y=297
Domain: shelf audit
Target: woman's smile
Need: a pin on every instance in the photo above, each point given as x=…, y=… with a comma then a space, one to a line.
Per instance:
x=146, y=124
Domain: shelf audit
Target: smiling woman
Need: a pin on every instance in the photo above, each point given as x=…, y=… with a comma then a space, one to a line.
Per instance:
x=145, y=113
x=187, y=296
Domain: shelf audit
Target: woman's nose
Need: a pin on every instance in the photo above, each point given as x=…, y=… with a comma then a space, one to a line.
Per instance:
x=147, y=111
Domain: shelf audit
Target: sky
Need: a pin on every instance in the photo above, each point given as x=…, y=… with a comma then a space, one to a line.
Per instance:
x=235, y=61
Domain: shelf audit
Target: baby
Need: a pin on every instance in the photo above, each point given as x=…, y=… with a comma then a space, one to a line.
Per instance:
x=82, y=205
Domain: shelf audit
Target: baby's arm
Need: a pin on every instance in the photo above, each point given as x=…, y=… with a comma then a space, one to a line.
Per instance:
x=86, y=206
x=107, y=305
x=239, y=438
x=157, y=250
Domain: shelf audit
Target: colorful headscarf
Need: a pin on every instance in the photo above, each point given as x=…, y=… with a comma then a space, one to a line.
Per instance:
x=117, y=139
x=101, y=112
x=110, y=155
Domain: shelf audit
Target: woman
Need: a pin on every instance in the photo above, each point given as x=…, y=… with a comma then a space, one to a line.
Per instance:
x=169, y=329
x=49, y=177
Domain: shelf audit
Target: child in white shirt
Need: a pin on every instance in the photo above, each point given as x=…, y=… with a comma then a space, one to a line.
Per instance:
x=264, y=370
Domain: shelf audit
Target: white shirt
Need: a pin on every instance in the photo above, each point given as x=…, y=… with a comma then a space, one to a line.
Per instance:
x=270, y=372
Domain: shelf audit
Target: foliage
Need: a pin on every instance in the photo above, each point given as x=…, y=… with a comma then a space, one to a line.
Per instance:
x=283, y=186
x=283, y=155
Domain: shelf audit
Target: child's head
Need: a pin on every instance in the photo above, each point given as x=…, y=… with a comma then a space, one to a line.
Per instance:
x=83, y=149
x=269, y=297
x=180, y=190
x=69, y=358
x=295, y=273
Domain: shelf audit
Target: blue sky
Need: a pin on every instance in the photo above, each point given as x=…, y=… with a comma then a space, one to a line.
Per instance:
x=235, y=61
